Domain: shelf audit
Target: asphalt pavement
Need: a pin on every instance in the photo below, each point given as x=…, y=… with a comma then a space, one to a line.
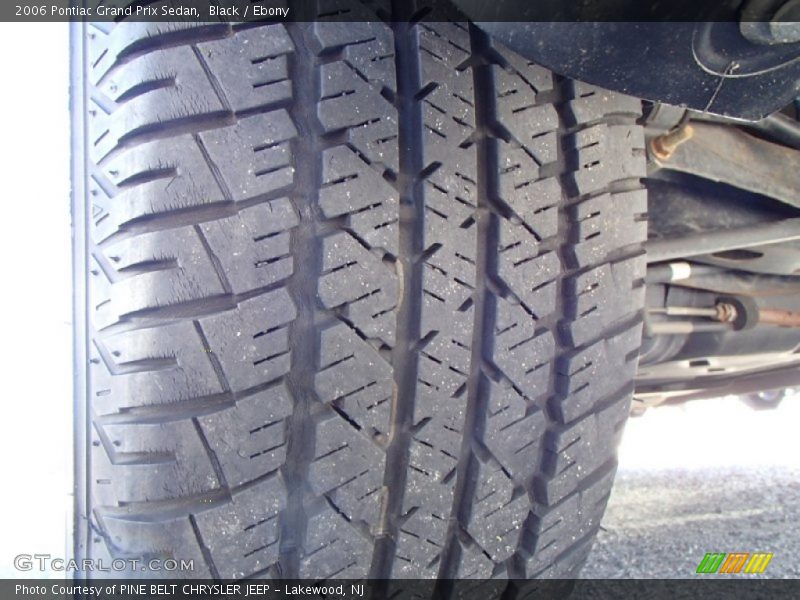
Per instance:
x=710, y=477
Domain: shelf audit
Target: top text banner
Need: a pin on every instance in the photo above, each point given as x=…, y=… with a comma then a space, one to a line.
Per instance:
x=239, y=11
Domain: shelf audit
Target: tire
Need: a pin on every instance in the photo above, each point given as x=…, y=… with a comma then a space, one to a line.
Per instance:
x=360, y=300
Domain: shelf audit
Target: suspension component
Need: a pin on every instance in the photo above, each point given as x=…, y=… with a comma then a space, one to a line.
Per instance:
x=729, y=312
x=664, y=146
x=709, y=242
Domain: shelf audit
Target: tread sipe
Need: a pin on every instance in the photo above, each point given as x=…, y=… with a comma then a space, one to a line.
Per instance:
x=361, y=299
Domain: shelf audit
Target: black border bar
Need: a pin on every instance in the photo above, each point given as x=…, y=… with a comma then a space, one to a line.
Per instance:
x=237, y=11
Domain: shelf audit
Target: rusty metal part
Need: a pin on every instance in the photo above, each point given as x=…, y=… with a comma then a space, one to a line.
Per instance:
x=710, y=242
x=776, y=316
x=664, y=146
x=728, y=155
x=723, y=315
x=725, y=312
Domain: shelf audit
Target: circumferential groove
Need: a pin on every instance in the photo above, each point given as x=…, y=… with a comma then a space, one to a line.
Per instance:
x=484, y=306
x=302, y=288
x=409, y=262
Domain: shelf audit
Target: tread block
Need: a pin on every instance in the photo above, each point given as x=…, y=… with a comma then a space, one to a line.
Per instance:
x=568, y=564
x=252, y=342
x=102, y=208
x=251, y=67
x=249, y=438
x=356, y=107
x=552, y=533
x=522, y=113
x=444, y=47
x=333, y=548
x=149, y=462
x=153, y=89
x=590, y=156
x=239, y=162
x=419, y=542
x=602, y=296
x=533, y=200
x=101, y=309
x=155, y=178
x=108, y=47
x=354, y=378
x=352, y=189
x=348, y=469
x=522, y=353
x=367, y=46
x=591, y=103
x=161, y=269
x=254, y=156
x=534, y=76
x=606, y=223
x=514, y=430
x=253, y=247
x=519, y=110
x=169, y=539
x=242, y=535
x=444, y=362
x=474, y=564
x=497, y=512
x=575, y=446
x=529, y=271
x=150, y=367
x=595, y=372
x=448, y=282
x=173, y=84
x=356, y=281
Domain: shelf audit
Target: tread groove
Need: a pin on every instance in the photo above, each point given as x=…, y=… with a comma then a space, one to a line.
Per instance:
x=484, y=318
x=404, y=354
x=302, y=288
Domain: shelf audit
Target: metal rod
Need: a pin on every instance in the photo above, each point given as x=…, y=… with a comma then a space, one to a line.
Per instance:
x=685, y=311
x=780, y=317
x=686, y=327
x=691, y=311
x=710, y=242
x=721, y=280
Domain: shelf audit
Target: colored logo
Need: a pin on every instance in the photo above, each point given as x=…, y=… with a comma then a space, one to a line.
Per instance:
x=735, y=562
